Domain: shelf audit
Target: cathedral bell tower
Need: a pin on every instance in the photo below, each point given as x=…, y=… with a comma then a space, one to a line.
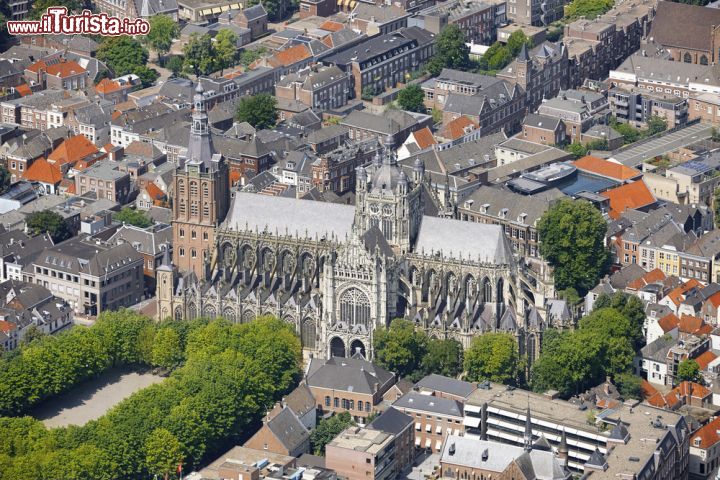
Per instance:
x=388, y=200
x=201, y=195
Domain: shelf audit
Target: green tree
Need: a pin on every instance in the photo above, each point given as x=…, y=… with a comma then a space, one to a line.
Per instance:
x=451, y=51
x=259, y=111
x=47, y=221
x=516, y=40
x=629, y=385
x=32, y=334
x=716, y=206
x=688, y=370
x=443, y=357
x=39, y=7
x=175, y=65
x=587, y=8
x=147, y=75
x=167, y=349
x=618, y=335
x=163, y=453
x=250, y=55
x=134, y=217
x=572, y=235
x=411, y=98
x=368, y=92
x=163, y=30
x=400, y=348
x=4, y=179
x=578, y=150
x=629, y=133
x=656, y=125
x=226, y=48
x=199, y=55
x=494, y=357
x=122, y=54
x=327, y=429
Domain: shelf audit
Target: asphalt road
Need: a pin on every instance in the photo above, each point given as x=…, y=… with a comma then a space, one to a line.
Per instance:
x=634, y=156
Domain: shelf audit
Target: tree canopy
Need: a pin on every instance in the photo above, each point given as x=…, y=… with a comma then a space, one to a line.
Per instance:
x=226, y=48
x=163, y=30
x=572, y=235
x=411, y=353
x=493, y=356
x=225, y=378
x=689, y=370
x=199, y=55
x=47, y=221
x=4, y=179
x=39, y=7
x=259, y=110
x=411, y=98
x=587, y=8
x=122, y=54
x=451, y=51
x=133, y=216
x=327, y=429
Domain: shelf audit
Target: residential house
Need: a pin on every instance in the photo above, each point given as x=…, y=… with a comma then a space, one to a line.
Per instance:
x=416, y=141
x=543, y=129
x=318, y=87
x=335, y=170
x=16, y=248
x=705, y=450
x=380, y=451
x=579, y=110
x=47, y=176
x=151, y=242
x=636, y=107
x=255, y=18
x=71, y=151
x=106, y=180
x=383, y=61
x=706, y=107
x=381, y=19
x=60, y=75
x=283, y=434
x=435, y=418
x=302, y=404
x=351, y=385
x=90, y=275
x=477, y=19
x=395, y=124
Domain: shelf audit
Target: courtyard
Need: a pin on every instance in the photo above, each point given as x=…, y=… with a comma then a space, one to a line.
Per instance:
x=93, y=398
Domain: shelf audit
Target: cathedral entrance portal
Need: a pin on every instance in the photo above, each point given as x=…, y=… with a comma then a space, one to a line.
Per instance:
x=358, y=347
x=337, y=347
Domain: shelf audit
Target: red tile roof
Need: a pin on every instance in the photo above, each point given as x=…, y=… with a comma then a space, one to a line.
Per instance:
x=456, y=128
x=691, y=389
x=669, y=322
x=424, y=138
x=707, y=435
x=71, y=150
x=630, y=195
x=653, y=276
x=106, y=86
x=694, y=325
x=43, y=171
x=331, y=26
x=65, y=68
x=714, y=299
x=234, y=177
x=81, y=165
x=704, y=359
x=7, y=327
x=606, y=168
x=155, y=193
x=657, y=399
x=290, y=56
x=677, y=294
x=23, y=89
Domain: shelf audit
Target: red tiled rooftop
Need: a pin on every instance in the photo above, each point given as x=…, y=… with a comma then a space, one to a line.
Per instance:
x=456, y=128
x=653, y=276
x=691, y=389
x=424, y=138
x=106, y=86
x=71, y=150
x=291, y=56
x=23, y=90
x=676, y=294
x=61, y=69
x=694, y=325
x=704, y=359
x=669, y=322
x=707, y=435
x=7, y=327
x=630, y=195
x=154, y=192
x=43, y=171
x=606, y=168
x=331, y=26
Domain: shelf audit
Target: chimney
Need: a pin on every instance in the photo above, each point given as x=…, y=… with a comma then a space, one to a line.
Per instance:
x=376, y=387
x=451, y=450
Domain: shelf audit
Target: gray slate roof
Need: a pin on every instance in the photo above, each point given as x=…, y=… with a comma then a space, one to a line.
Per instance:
x=471, y=240
x=428, y=403
x=348, y=374
x=391, y=421
x=288, y=429
x=440, y=383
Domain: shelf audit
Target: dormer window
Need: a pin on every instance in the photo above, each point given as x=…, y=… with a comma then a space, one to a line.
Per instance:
x=484, y=207
x=503, y=213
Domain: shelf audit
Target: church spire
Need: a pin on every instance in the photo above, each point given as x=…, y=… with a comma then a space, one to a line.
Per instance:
x=528, y=438
x=200, y=148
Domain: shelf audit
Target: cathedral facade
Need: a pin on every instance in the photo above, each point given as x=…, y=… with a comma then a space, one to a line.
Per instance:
x=339, y=272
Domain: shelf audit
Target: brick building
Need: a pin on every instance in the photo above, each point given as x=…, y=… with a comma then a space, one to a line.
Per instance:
x=59, y=75
x=351, y=385
x=690, y=33
x=319, y=87
x=201, y=201
x=478, y=20
x=435, y=418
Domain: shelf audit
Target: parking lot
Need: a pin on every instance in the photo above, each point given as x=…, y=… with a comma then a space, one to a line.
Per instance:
x=634, y=156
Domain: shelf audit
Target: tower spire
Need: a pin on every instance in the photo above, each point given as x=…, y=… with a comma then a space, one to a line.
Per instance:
x=200, y=147
x=528, y=438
